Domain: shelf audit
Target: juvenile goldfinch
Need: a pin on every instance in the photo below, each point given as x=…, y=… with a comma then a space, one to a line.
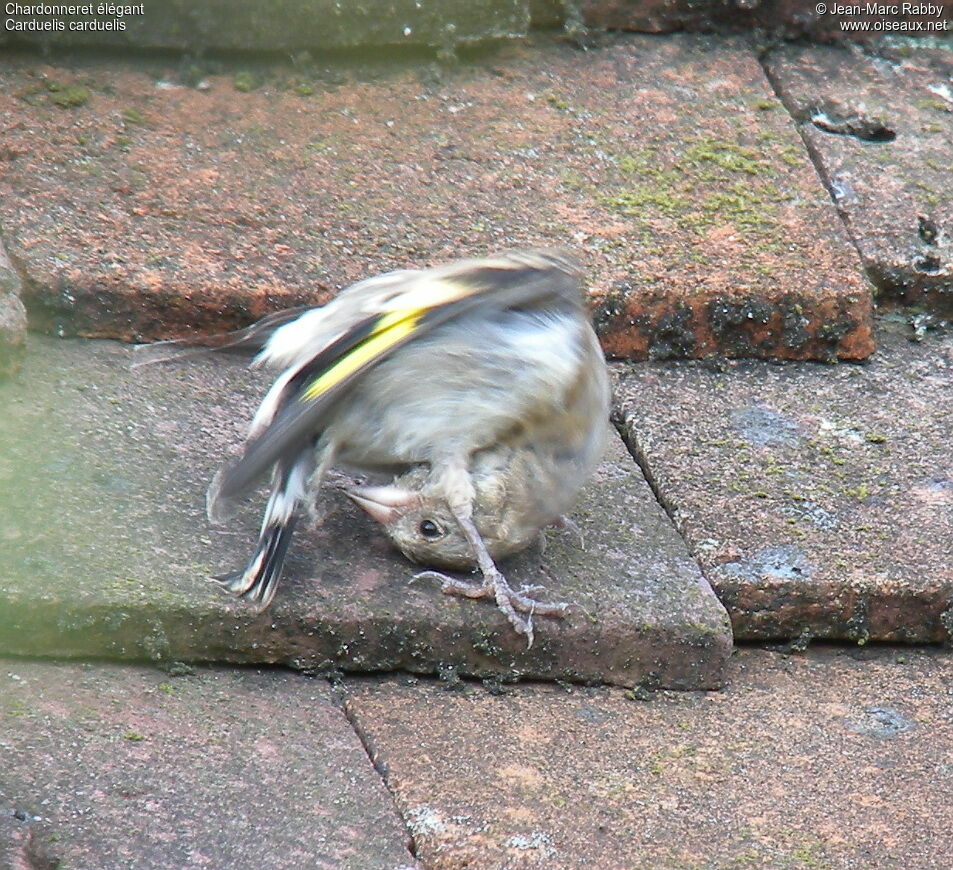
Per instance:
x=481, y=383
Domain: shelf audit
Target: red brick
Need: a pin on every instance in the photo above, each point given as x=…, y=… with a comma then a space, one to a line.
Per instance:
x=149, y=212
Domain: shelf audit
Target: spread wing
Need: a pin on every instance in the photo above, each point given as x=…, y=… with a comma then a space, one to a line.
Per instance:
x=375, y=322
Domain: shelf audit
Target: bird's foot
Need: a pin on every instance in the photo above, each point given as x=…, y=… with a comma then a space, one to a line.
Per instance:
x=513, y=602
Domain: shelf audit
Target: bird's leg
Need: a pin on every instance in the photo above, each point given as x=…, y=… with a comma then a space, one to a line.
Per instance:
x=511, y=601
x=325, y=456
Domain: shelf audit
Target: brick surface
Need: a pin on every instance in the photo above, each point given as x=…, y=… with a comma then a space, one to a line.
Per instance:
x=126, y=767
x=879, y=127
x=823, y=761
x=105, y=550
x=143, y=210
x=819, y=500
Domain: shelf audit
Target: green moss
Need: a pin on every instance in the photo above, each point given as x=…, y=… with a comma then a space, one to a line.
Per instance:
x=935, y=104
x=860, y=492
x=573, y=179
x=809, y=856
x=745, y=208
x=646, y=163
x=15, y=707
x=245, y=81
x=764, y=104
x=69, y=97
x=639, y=693
x=637, y=200
x=711, y=183
x=791, y=155
x=133, y=116
x=726, y=155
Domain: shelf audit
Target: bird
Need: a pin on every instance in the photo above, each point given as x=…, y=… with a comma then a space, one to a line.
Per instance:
x=480, y=384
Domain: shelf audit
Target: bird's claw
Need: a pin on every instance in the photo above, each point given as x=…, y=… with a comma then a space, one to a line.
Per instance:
x=530, y=589
x=513, y=602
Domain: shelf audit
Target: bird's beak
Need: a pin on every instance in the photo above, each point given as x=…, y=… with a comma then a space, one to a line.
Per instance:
x=384, y=503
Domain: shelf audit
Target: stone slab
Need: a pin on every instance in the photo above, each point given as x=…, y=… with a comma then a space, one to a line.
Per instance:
x=105, y=550
x=879, y=127
x=787, y=19
x=12, y=317
x=108, y=766
x=818, y=500
x=316, y=25
x=141, y=210
x=544, y=777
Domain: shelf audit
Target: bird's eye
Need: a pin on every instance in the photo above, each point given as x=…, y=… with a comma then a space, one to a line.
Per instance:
x=429, y=529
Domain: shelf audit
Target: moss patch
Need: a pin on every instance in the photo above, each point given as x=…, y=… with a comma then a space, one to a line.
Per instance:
x=711, y=183
x=68, y=97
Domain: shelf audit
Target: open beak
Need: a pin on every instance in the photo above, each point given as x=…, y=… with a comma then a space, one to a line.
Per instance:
x=384, y=503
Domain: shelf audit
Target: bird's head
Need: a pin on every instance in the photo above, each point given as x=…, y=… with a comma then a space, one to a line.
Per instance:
x=417, y=518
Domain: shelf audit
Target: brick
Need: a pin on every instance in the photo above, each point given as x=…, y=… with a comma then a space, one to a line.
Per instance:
x=105, y=550
x=879, y=128
x=107, y=766
x=544, y=776
x=147, y=212
x=819, y=501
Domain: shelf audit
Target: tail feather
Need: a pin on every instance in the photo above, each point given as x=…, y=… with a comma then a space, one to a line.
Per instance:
x=259, y=580
x=251, y=338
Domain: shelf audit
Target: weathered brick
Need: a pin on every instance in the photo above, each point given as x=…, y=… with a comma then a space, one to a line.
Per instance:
x=818, y=500
x=879, y=127
x=668, y=164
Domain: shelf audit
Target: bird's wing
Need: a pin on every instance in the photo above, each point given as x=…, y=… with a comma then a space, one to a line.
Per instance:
x=405, y=309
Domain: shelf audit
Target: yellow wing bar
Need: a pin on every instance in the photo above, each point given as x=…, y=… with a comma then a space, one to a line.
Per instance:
x=389, y=330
